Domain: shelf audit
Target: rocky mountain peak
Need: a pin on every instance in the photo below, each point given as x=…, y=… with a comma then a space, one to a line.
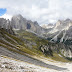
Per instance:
x=20, y=23
x=18, y=16
x=47, y=26
x=6, y=25
x=62, y=32
x=67, y=19
x=35, y=22
x=59, y=22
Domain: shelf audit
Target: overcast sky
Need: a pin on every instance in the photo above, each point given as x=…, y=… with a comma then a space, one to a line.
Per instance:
x=43, y=11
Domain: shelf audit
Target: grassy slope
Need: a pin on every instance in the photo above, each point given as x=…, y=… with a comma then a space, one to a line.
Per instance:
x=19, y=44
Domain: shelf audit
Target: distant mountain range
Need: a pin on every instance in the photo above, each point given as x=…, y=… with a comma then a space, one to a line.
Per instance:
x=61, y=32
x=47, y=26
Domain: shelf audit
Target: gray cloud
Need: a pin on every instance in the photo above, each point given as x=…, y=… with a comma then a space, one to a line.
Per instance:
x=44, y=11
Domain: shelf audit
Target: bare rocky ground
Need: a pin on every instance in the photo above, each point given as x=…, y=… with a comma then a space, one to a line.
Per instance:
x=12, y=65
x=13, y=62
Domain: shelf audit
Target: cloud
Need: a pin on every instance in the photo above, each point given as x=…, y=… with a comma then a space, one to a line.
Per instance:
x=43, y=11
x=6, y=16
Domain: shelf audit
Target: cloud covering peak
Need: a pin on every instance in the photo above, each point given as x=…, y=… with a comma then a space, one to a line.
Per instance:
x=43, y=11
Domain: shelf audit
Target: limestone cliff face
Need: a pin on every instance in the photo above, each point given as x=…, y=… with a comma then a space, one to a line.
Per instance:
x=18, y=22
x=47, y=26
x=5, y=24
x=61, y=32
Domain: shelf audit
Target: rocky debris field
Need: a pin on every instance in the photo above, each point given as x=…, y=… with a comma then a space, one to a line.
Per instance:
x=8, y=64
x=11, y=65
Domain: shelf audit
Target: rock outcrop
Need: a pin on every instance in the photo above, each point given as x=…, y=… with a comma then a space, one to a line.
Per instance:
x=61, y=32
x=64, y=50
x=5, y=24
x=20, y=23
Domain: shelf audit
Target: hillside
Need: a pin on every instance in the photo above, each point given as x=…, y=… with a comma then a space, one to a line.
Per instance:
x=23, y=48
x=27, y=43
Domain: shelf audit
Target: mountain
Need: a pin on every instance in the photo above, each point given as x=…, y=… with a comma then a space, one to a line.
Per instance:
x=5, y=24
x=61, y=32
x=24, y=36
x=47, y=26
x=20, y=23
